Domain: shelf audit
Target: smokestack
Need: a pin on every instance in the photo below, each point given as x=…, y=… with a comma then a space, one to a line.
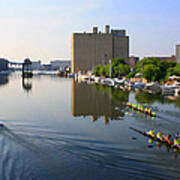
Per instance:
x=107, y=29
x=95, y=30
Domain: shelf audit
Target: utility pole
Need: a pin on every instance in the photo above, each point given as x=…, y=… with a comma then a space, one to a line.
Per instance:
x=110, y=70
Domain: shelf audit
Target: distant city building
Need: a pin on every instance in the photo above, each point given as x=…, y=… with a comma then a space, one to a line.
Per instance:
x=91, y=49
x=46, y=67
x=3, y=64
x=36, y=65
x=60, y=64
x=133, y=61
x=170, y=58
x=178, y=53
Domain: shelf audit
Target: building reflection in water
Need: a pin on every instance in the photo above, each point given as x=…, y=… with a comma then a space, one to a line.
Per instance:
x=27, y=84
x=97, y=101
x=4, y=80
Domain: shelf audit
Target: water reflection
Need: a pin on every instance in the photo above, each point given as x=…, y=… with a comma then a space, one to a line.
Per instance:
x=146, y=98
x=27, y=84
x=4, y=79
x=98, y=101
x=168, y=149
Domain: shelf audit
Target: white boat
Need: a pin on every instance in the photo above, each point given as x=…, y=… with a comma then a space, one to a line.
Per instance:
x=171, y=89
x=153, y=87
x=97, y=79
x=168, y=90
x=139, y=85
x=83, y=78
x=177, y=84
x=119, y=81
x=108, y=81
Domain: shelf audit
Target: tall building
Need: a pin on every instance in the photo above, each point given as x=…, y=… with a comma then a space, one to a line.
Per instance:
x=133, y=61
x=91, y=49
x=3, y=64
x=178, y=53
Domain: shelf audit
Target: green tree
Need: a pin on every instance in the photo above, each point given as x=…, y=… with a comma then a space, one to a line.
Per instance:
x=124, y=69
x=155, y=69
x=97, y=70
x=151, y=72
x=177, y=70
x=119, y=67
x=104, y=71
x=131, y=74
x=117, y=61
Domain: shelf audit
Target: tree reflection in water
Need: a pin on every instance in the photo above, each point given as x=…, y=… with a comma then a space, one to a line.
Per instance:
x=146, y=98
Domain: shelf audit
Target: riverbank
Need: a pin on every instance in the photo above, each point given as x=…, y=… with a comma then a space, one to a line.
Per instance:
x=172, y=90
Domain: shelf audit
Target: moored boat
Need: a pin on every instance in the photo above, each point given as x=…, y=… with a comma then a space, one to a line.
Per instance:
x=108, y=81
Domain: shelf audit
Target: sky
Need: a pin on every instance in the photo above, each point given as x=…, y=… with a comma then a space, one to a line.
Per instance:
x=42, y=29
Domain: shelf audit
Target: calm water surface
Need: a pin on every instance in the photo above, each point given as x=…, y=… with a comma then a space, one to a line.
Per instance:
x=56, y=128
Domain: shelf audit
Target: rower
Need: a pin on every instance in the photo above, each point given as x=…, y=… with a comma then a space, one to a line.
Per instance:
x=151, y=133
x=149, y=111
x=146, y=110
x=153, y=114
x=167, y=139
x=176, y=142
x=159, y=136
x=136, y=107
x=139, y=107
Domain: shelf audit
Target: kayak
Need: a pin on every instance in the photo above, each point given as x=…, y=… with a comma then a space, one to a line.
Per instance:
x=156, y=139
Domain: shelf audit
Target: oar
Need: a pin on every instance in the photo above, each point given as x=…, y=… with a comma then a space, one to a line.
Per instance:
x=141, y=132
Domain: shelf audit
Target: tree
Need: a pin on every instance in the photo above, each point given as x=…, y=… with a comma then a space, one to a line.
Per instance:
x=119, y=67
x=177, y=70
x=104, y=71
x=155, y=69
x=124, y=69
x=151, y=72
x=117, y=61
x=97, y=70
x=131, y=74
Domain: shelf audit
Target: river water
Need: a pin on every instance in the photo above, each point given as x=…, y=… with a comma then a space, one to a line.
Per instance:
x=55, y=128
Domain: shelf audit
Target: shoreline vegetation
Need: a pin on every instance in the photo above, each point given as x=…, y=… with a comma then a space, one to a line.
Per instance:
x=152, y=69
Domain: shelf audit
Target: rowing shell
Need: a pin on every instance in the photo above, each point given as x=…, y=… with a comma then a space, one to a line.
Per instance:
x=148, y=113
x=155, y=139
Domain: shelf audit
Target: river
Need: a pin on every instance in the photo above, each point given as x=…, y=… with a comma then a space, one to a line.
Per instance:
x=56, y=128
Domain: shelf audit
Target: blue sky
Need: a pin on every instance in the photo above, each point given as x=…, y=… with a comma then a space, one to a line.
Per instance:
x=41, y=29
